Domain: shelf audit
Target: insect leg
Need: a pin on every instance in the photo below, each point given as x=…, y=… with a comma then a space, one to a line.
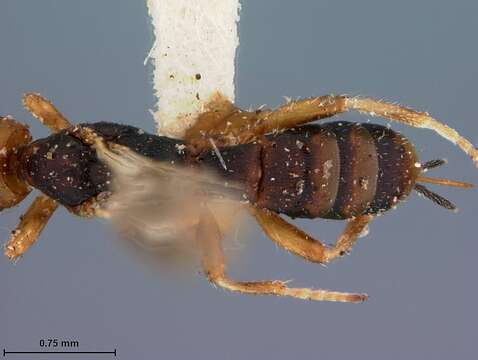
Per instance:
x=354, y=229
x=239, y=127
x=44, y=111
x=299, y=243
x=30, y=227
x=412, y=118
x=210, y=239
x=299, y=112
x=212, y=121
x=303, y=111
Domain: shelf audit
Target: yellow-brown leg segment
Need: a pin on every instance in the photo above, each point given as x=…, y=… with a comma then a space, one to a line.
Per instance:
x=231, y=126
x=44, y=111
x=412, y=118
x=42, y=208
x=299, y=243
x=213, y=120
x=30, y=227
x=210, y=238
x=238, y=127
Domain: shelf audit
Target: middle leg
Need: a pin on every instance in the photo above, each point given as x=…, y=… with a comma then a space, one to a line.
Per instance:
x=30, y=227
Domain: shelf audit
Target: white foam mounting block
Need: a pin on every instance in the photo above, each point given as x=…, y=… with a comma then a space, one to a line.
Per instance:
x=193, y=57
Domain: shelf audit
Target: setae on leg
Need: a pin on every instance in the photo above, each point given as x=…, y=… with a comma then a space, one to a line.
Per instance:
x=209, y=238
x=299, y=243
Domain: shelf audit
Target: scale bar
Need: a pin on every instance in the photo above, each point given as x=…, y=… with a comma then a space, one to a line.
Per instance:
x=5, y=352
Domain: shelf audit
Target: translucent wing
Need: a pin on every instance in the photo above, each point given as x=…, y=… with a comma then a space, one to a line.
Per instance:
x=156, y=204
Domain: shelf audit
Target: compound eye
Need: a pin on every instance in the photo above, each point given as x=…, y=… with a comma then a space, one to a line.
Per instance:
x=13, y=136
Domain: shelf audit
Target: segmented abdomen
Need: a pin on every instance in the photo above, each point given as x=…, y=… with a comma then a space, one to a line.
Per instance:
x=338, y=170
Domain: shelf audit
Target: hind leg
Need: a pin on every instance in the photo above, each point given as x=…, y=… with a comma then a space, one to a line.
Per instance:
x=299, y=243
x=413, y=118
x=209, y=238
x=238, y=127
x=229, y=125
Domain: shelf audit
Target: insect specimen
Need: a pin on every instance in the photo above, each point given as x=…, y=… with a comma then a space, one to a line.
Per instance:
x=270, y=162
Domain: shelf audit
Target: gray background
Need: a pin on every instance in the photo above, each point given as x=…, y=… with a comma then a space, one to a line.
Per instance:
x=418, y=263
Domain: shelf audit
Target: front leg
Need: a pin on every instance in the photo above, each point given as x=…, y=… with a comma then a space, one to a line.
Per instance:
x=44, y=111
x=30, y=227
